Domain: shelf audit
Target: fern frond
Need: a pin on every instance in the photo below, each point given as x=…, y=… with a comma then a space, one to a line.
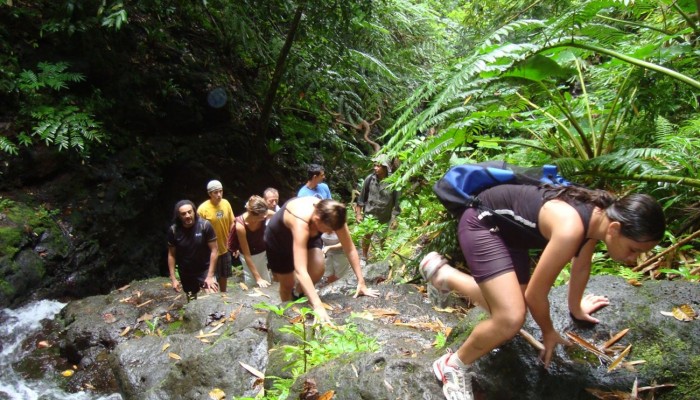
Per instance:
x=7, y=146
x=502, y=33
x=369, y=61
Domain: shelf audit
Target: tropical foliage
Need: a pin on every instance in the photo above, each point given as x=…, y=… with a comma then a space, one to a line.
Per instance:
x=606, y=89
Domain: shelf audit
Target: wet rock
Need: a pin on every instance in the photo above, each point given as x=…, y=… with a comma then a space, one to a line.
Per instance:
x=186, y=354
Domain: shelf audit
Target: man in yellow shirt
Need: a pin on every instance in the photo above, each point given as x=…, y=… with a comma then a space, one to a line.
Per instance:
x=218, y=212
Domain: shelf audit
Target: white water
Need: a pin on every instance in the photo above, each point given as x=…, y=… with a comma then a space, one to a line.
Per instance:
x=18, y=325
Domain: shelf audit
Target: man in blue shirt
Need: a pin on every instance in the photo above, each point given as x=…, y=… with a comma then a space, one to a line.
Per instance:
x=314, y=186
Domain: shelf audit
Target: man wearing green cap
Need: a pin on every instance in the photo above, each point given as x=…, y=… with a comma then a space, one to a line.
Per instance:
x=218, y=212
x=377, y=199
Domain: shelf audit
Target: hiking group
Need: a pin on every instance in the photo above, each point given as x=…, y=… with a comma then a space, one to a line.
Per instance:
x=285, y=246
x=503, y=213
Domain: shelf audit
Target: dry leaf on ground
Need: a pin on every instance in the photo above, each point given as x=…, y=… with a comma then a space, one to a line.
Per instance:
x=252, y=370
x=217, y=394
x=683, y=313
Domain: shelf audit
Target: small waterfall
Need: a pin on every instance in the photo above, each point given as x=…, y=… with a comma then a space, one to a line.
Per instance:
x=17, y=325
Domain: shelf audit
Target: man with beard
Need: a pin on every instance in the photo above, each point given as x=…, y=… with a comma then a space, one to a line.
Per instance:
x=192, y=247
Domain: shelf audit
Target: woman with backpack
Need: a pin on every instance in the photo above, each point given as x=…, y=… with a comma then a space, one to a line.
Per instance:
x=566, y=222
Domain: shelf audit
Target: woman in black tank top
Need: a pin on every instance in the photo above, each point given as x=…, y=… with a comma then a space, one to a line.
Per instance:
x=569, y=221
x=293, y=241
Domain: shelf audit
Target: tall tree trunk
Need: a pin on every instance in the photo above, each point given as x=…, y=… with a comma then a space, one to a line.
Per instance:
x=264, y=121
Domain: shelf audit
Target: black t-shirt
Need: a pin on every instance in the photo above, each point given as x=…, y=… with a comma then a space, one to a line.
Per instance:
x=192, y=251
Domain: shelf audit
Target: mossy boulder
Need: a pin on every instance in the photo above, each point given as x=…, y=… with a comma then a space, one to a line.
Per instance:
x=32, y=242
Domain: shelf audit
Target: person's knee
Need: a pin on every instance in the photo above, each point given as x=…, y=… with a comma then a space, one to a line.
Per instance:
x=509, y=323
x=317, y=265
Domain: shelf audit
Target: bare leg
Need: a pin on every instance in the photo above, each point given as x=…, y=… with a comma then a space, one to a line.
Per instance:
x=448, y=277
x=365, y=245
x=222, y=283
x=317, y=264
x=504, y=299
x=286, y=285
x=316, y=267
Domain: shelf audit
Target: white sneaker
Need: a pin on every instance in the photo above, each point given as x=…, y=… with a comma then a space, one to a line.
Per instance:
x=430, y=264
x=456, y=382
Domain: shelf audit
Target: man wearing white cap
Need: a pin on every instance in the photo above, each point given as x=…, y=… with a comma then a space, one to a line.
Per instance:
x=218, y=212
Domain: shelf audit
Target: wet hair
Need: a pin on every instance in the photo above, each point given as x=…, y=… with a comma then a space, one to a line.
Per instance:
x=256, y=205
x=313, y=170
x=640, y=216
x=332, y=213
x=176, y=212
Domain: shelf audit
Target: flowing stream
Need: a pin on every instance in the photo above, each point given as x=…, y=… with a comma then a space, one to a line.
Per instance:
x=18, y=325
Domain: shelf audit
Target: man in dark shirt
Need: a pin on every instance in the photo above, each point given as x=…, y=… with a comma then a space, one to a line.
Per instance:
x=192, y=247
x=377, y=199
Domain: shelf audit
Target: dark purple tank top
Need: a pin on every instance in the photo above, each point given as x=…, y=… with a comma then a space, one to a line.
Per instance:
x=522, y=203
x=256, y=239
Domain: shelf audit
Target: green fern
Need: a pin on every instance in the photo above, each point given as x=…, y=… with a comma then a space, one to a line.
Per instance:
x=53, y=76
x=8, y=146
x=66, y=128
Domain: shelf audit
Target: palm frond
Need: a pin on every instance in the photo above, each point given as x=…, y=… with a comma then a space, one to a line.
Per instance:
x=369, y=61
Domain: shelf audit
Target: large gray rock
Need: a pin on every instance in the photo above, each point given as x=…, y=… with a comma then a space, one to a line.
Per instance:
x=174, y=363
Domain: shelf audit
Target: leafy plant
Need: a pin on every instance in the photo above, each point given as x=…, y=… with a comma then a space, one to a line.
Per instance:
x=152, y=327
x=66, y=128
x=545, y=87
x=440, y=340
x=279, y=391
x=57, y=120
x=317, y=344
x=683, y=272
x=53, y=76
x=114, y=16
x=279, y=311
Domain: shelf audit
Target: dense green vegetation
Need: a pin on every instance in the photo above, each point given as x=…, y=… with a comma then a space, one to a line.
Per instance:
x=607, y=90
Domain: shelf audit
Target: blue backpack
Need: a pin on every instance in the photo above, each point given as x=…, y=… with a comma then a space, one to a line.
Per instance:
x=458, y=188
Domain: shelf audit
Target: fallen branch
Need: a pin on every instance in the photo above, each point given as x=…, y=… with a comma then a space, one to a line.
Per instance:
x=672, y=248
x=531, y=339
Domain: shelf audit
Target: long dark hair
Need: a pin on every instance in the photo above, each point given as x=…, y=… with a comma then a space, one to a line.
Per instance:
x=176, y=212
x=640, y=215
